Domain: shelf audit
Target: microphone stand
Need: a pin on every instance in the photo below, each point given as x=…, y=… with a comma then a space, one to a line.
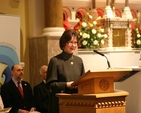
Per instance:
x=104, y=56
x=108, y=62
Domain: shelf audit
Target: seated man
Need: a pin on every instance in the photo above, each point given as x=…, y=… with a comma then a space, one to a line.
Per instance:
x=41, y=92
x=17, y=93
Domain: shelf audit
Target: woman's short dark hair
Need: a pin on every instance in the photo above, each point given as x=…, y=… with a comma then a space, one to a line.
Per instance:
x=66, y=36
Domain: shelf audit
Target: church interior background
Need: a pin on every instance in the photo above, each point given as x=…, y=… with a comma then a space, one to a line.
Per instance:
x=39, y=39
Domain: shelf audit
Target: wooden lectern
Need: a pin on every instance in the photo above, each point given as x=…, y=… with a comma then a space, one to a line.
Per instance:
x=96, y=93
x=100, y=81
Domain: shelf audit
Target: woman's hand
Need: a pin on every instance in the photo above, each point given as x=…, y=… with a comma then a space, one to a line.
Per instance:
x=69, y=84
x=32, y=109
x=23, y=111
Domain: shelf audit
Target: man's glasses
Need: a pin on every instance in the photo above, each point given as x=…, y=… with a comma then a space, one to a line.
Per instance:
x=72, y=43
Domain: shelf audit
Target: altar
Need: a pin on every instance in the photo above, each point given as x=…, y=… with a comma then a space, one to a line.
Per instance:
x=117, y=57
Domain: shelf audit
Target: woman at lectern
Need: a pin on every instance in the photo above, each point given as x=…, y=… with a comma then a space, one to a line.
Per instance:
x=63, y=69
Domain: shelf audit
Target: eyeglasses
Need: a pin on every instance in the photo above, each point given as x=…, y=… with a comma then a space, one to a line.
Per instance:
x=72, y=43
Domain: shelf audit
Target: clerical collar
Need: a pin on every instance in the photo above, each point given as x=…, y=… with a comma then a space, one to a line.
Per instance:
x=66, y=55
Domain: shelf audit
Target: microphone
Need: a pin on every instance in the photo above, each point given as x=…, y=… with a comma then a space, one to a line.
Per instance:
x=98, y=53
x=104, y=56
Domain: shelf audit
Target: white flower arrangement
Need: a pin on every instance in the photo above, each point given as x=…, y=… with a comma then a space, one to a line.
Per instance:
x=90, y=33
x=136, y=32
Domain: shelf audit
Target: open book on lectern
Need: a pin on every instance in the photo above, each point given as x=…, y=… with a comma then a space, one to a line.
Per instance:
x=118, y=73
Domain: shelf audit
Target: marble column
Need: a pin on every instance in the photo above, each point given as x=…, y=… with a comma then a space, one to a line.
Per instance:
x=53, y=17
x=42, y=48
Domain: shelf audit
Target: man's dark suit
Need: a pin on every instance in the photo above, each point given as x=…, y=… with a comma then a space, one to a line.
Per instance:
x=41, y=97
x=12, y=98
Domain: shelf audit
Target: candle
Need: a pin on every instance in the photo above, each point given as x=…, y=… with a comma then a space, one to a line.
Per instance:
x=93, y=4
x=126, y=3
x=107, y=2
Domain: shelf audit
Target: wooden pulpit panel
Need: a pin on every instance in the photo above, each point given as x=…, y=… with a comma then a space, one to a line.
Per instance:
x=93, y=103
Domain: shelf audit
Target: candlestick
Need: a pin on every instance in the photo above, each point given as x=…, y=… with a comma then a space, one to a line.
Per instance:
x=107, y=2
